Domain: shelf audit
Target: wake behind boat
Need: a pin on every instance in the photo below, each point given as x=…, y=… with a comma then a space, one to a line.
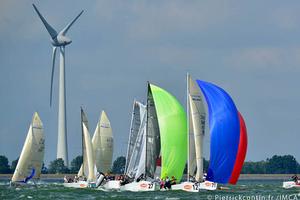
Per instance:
x=31, y=159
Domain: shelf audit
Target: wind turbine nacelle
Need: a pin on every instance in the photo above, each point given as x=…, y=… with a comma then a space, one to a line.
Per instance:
x=61, y=40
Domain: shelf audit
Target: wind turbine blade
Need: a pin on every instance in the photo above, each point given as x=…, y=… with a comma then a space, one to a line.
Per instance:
x=49, y=28
x=65, y=30
x=52, y=73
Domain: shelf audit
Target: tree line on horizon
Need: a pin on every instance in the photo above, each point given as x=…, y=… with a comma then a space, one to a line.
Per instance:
x=286, y=164
x=58, y=166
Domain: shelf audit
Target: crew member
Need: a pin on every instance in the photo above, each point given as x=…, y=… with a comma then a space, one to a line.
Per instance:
x=167, y=183
x=295, y=178
x=173, y=180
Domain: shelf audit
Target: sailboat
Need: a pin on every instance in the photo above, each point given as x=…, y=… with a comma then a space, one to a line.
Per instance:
x=196, y=119
x=31, y=159
x=103, y=144
x=227, y=131
x=136, y=152
x=164, y=132
x=88, y=170
x=135, y=158
x=103, y=152
x=291, y=184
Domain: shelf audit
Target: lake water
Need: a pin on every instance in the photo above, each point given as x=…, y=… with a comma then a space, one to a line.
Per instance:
x=244, y=190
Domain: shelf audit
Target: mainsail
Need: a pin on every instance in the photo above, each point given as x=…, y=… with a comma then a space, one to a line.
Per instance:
x=88, y=168
x=152, y=136
x=134, y=129
x=83, y=171
x=172, y=126
x=32, y=155
x=197, y=115
x=103, y=144
x=91, y=176
x=136, y=161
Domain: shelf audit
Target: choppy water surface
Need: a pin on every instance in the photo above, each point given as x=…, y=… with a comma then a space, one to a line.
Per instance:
x=245, y=190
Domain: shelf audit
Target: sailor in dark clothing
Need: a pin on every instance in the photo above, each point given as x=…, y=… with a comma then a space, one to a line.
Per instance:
x=141, y=177
x=124, y=180
x=173, y=180
x=167, y=183
x=295, y=178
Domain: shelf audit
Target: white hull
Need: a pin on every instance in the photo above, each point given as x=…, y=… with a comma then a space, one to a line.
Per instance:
x=79, y=184
x=195, y=187
x=110, y=185
x=290, y=184
x=142, y=186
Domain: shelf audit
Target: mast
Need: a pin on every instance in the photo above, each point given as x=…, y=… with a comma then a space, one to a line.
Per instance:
x=146, y=135
x=188, y=124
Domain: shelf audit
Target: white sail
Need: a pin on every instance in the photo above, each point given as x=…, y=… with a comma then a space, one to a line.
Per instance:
x=192, y=165
x=89, y=154
x=103, y=144
x=197, y=114
x=142, y=162
x=136, y=164
x=134, y=129
x=83, y=171
x=32, y=155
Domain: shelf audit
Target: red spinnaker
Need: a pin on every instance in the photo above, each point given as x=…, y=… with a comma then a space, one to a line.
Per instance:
x=241, y=152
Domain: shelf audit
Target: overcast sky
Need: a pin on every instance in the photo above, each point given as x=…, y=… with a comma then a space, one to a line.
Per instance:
x=249, y=48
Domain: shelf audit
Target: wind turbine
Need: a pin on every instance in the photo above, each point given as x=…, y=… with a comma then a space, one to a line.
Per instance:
x=59, y=40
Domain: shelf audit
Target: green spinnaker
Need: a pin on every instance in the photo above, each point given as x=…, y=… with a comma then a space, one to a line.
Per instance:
x=173, y=132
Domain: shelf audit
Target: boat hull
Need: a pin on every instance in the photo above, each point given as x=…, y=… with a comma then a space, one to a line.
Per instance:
x=142, y=186
x=194, y=186
x=110, y=185
x=290, y=184
x=79, y=184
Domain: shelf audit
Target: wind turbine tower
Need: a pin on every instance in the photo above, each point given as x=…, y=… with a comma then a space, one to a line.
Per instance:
x=59, y=40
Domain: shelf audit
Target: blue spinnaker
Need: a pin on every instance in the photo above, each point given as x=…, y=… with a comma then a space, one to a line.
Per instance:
x=224, y=132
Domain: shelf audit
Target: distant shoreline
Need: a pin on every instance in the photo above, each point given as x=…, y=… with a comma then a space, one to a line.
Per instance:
x=242, y=176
